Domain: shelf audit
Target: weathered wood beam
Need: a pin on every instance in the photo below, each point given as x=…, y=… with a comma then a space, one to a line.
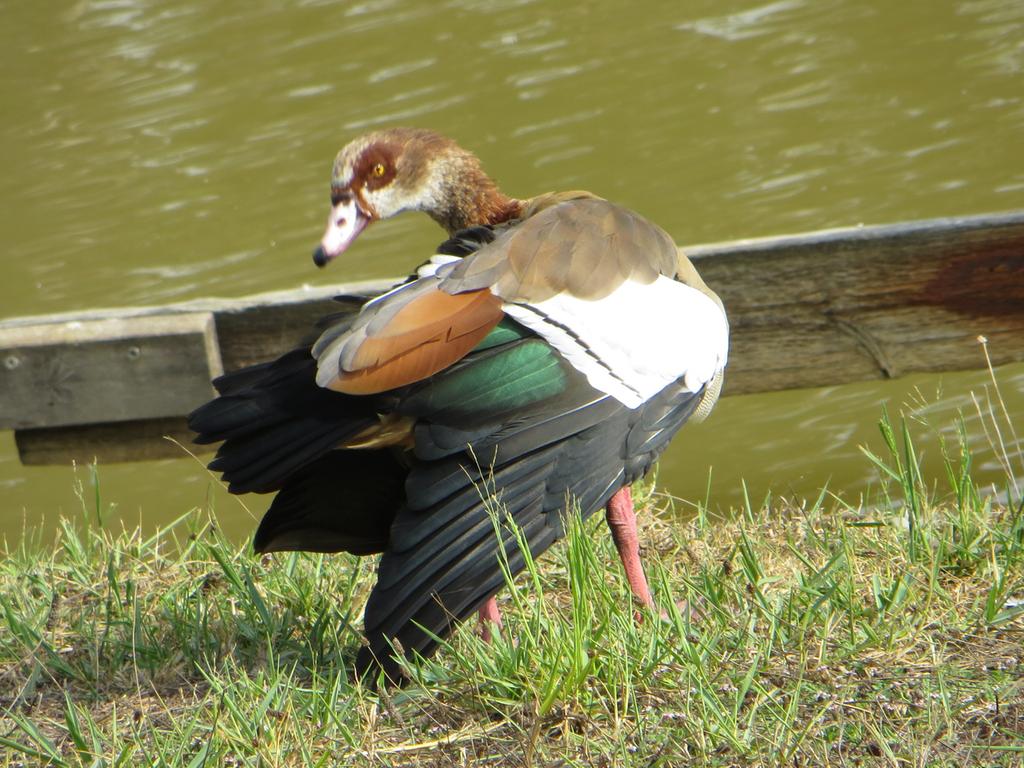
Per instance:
x=112, y=369
x=806, y=310
x=866, y=303
x=142, y=440
x=247, y=330
x=870, y=302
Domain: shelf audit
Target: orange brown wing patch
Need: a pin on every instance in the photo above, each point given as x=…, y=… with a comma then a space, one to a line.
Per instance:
x=427, y=335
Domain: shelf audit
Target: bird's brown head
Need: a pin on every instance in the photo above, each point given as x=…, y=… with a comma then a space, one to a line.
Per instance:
x=407, y=169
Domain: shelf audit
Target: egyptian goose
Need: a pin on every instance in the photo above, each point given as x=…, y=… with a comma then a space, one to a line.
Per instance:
x=550, y=350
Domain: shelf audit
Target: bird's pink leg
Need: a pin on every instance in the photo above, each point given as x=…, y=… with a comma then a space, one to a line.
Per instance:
x=622, y=521
x=489, y=614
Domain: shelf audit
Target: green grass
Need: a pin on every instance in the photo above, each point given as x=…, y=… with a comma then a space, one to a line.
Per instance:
x=820, y=634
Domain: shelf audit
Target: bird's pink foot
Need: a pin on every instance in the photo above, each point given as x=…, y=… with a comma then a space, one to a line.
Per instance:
x=489, y=614
x=622, y=522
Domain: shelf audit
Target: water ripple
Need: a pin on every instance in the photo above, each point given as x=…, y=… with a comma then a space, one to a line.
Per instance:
x=740, y=26
x=397, y=70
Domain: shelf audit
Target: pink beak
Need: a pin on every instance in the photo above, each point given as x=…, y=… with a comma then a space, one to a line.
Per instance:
x=344, y=224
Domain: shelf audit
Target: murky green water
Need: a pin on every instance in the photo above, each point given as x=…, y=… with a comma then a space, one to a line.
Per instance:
x=156, y=151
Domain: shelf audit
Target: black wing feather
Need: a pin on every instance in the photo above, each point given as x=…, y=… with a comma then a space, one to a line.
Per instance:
x=443, y=562
x=274, y=419
x=343, y=501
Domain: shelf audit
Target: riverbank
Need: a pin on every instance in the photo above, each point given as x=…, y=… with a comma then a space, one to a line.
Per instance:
x=821, y=633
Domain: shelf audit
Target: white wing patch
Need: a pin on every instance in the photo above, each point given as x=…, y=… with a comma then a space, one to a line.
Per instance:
x=635, y=342
x=437, y=261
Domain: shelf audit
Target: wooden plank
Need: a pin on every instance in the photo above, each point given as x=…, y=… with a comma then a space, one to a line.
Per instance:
x=256, y=304
x=107, y=370
x=109, y=443
x=259, y=333
x=867, y=303
x=249, y=330
x=806, y=310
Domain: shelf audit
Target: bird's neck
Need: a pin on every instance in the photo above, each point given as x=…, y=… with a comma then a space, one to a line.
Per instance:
x=468, y=197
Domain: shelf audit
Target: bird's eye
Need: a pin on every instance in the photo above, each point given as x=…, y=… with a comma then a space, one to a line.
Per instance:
x=378, y=170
